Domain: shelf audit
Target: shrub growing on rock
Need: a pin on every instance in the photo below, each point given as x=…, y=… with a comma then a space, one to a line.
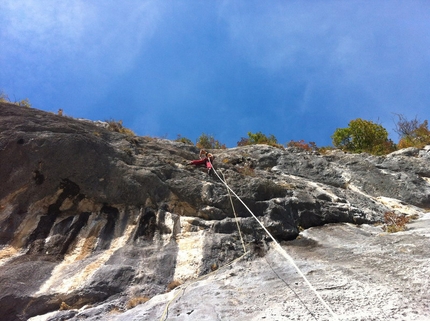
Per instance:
x=184, y=140
x=117, y=126
x=394, y=222
x=412, y=133
x=5, y=99
x=301, y=144
x=258, y=138
x=246, y=170
x=136, y=301
x=173, y=284
x=363, y=136
x=209, y=142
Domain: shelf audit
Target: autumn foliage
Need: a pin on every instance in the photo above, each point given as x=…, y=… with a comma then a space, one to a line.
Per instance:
x=412, y=133
x=301, y=144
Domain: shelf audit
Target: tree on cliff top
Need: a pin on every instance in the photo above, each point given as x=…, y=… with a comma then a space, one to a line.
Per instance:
x=258, y=138
x=363, y=136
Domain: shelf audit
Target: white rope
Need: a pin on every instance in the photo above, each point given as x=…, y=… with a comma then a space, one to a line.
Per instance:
x=184, y=287
x=235, y=216
x=281, y=250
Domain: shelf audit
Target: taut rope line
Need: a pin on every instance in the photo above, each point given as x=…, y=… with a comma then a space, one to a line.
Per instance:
x=184, y=287
x=292, y=290
x=235, y=216
x=281, y=250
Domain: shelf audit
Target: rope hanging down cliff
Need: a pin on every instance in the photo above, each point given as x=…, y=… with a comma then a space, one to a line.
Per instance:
x=182, y=289
x=235, y=216
x=280, y=249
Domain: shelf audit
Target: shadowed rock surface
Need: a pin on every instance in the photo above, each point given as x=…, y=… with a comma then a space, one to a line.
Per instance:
x=93, y=222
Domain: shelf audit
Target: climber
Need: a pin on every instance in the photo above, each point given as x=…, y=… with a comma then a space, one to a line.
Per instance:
x=202, y=153
x=205, y=159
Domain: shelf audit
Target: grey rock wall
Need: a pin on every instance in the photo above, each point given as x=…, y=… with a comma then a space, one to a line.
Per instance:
x=89, y=216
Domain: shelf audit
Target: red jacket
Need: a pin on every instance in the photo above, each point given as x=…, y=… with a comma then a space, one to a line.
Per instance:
x=204, y=161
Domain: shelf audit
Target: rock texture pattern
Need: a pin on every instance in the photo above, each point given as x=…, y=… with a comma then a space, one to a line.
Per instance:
x=94, y=223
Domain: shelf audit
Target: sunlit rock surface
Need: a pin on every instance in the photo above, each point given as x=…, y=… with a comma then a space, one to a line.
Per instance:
x=100, y=225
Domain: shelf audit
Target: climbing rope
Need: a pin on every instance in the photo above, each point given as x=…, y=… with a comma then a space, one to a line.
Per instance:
x=280, y=249
x=166, y=309
x=292, y=290
x=183, y=288
x=235, y=216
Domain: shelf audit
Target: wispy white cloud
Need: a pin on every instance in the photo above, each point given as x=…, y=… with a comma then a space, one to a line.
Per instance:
x=378, y=48
x=94, y=30
x=176, y=60
x=90, y=41
x=38, y=27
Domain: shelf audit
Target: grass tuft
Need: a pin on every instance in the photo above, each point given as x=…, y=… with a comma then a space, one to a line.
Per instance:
x=136, y=301
x=395, y=222
x=173, y=284
x=117, y=126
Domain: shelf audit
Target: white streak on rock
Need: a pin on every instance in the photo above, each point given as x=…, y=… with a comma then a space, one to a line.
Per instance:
x=190, y=254
x=61, y=281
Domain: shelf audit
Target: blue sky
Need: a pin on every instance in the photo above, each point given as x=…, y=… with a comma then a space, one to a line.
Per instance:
x=294, y=69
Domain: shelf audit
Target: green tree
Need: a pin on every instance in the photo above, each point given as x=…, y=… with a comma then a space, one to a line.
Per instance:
x=209, y=142
x=412, y=133
x=258, y=138
x=363, y=136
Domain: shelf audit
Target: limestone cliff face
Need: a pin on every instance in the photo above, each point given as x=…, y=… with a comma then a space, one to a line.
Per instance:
x=88, y=215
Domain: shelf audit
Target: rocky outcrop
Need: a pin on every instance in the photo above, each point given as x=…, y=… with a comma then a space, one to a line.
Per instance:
x=361, y=273
x=88, y=215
